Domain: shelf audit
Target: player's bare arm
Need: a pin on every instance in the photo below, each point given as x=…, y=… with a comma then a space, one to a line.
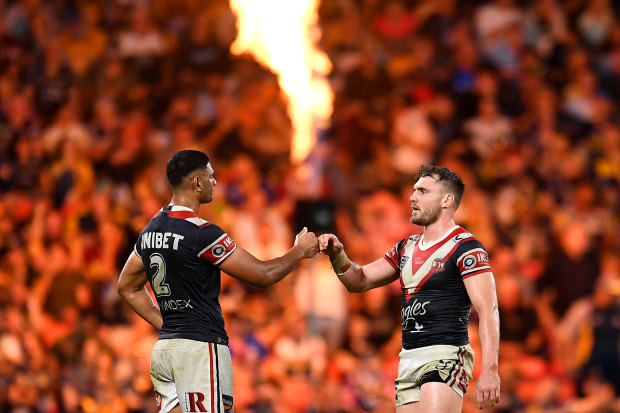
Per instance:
x=354, y=277
x=246, y=267
x=132, y=287
x=481, y=291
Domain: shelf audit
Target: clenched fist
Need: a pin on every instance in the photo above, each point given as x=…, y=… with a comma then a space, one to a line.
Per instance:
x=330, y=245
x=308, y=241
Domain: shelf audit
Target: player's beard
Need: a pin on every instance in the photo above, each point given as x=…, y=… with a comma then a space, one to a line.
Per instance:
x=427, y=217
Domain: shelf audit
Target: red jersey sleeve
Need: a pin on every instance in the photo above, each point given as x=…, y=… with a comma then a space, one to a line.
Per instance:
x=394, y=254
x=215, y=244
x=472, y=258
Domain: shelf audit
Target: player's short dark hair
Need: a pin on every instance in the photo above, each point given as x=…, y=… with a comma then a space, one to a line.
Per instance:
x=451, y=181
x=184, y=162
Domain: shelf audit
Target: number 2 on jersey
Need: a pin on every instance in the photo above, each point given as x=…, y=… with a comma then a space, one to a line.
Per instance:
x=160, y=288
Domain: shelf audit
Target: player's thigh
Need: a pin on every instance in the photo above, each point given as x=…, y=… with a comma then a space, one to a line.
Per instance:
x=409, y=408
x=438, y=397
x=163, y=379
x=203, y=378
x=449, y=365
x=192, y=376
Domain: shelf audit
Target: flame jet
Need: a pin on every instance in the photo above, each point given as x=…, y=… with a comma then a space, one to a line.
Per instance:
x=282, y=36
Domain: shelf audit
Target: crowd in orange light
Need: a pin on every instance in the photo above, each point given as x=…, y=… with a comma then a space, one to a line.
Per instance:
x=518, y=97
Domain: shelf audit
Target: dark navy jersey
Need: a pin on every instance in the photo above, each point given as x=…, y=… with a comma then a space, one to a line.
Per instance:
x=181, y=254
x=435, y=305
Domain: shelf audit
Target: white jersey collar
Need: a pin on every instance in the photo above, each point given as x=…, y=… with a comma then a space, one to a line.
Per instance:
x=437, y=241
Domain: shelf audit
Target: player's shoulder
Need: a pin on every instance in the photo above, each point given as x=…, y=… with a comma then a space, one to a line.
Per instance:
x=400, y=247
x=410, y=240
x=470, y=255
x=206, y=227
x=403, y=243
x=209, y=234
x=461, y=236
x=466, y=242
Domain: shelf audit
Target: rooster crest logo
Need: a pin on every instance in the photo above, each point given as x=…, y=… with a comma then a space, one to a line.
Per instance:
x=438, y=264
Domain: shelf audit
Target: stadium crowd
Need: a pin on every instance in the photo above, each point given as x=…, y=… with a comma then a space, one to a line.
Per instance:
x=518, y=97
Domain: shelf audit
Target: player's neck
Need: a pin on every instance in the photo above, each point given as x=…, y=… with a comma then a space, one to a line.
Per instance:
x=437, y=230
x=185, y=201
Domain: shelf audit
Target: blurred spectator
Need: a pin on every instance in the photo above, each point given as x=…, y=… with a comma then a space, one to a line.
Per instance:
x=520, y=323
x=395, y=23
x=572, y=268
x=83, y=42
x=495, y=16
x=588, y=337
x=544, y=25
x=490, y=132
x=323, y=301
x=413, y=138
x=51, y=78
x=595, y=22
x=202, y=52
x=142, y=45
x=142, y=39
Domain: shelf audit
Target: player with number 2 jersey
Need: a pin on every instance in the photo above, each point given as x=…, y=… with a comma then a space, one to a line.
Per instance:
x=181, y=256
x=189, y=301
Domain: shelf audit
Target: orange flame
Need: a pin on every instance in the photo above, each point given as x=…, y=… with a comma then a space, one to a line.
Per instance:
x=281, y=34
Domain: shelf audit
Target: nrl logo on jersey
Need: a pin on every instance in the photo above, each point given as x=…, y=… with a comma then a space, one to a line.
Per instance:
x=403, y=261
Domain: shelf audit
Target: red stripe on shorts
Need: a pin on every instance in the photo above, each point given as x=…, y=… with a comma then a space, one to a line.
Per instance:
x=462, y=384
x=461, y=370
x=458, y=369
x=212, y=367
x=457, y=373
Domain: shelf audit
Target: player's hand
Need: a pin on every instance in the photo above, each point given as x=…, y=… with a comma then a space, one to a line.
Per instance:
x=330, y=245
x=487, y=388
x=308, y=241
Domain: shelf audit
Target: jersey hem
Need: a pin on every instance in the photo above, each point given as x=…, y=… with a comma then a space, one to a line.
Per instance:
x=480, y=271
x=431, y=344
x=215, y=339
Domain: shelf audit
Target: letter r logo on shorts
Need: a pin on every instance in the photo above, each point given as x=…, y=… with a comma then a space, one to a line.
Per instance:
x=195, y=402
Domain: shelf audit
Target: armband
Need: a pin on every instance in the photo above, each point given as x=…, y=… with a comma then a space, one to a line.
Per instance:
x=340, y=263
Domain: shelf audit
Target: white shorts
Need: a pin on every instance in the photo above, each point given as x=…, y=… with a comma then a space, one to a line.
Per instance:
x=194, y=374
x=448, y=364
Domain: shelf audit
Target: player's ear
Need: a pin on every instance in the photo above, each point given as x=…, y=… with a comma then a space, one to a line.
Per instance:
x=448, y=200
x=196, y=183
